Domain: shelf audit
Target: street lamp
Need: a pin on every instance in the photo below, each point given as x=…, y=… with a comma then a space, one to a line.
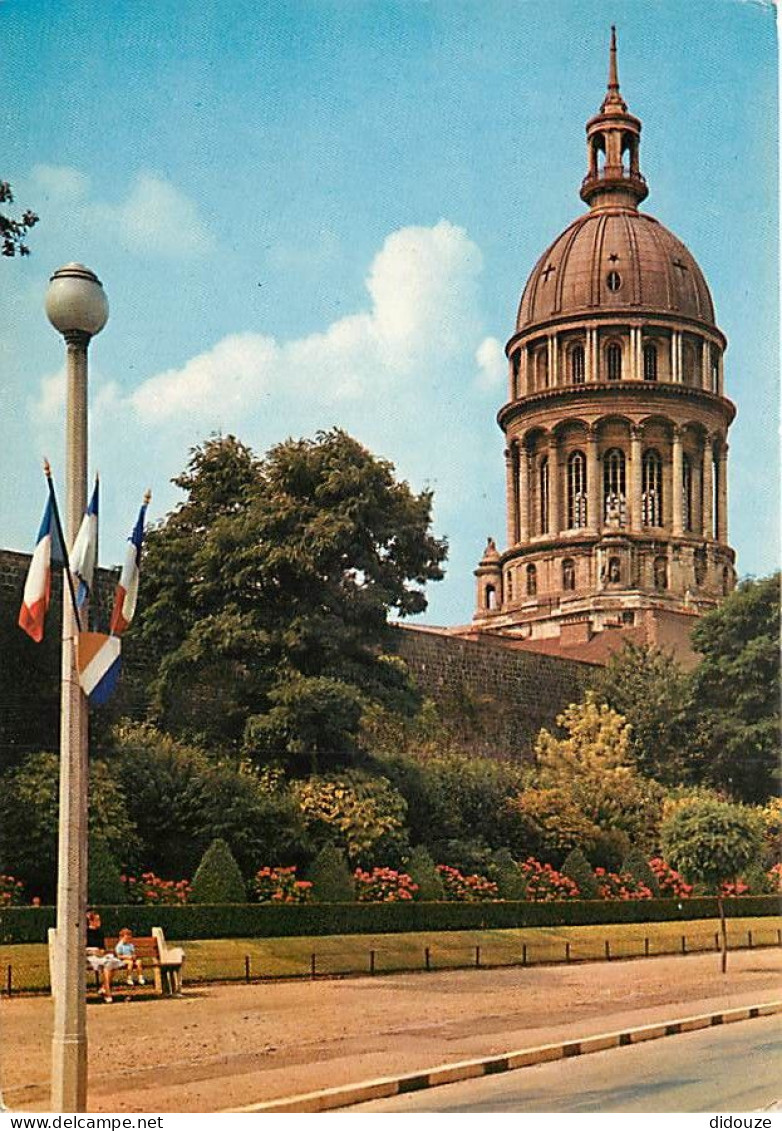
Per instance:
x=77, y=307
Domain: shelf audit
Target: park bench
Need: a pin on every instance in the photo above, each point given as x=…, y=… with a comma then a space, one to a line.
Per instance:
x=163, y=961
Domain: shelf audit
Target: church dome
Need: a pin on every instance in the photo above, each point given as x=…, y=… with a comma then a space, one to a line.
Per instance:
x=615, y=260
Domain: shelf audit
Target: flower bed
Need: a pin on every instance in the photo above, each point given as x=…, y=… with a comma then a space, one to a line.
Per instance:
x=11, y=891
x=279, y=885
x=466, y=889
x=669, y=881
x=544, y=884
x=150, y=889
x=620, y=885
x=384, y=885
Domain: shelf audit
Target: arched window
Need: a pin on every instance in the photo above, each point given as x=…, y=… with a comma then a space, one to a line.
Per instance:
x=509, y=585
x=516, y=365
x=687, y=492
x=715, y=372
x=577, y=366
x=660, y=572
x=543, y=496
x=568, y=574
x=650, y=363
x=491, y=597
x=614, y=362
x=652, y=488
x=532, y=581
x=614, y=492
x=541, y=369
x=614, y=571
x=688, y=363
x=576, y=491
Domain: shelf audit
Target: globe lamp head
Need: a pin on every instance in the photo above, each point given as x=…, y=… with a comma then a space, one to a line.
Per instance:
x=76, y=302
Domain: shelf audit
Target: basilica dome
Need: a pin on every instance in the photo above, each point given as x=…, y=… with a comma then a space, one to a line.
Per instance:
x=615, y=259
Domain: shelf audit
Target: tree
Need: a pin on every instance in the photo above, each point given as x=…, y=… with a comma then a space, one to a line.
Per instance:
x=735, y=689
x=330, y=877
x=104, y=879
x=267, y=593
x=13, y=232
x=361, y=814
x=589, y=775
x=217, y=878
x=711, y=841
x=577, y=868
x=180, y=800
x=420, y=868
x=652, y=693
x=29, y=806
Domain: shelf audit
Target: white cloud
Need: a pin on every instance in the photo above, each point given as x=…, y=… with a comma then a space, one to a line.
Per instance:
x=155, y=218
x=492, y=366
x=423, y=314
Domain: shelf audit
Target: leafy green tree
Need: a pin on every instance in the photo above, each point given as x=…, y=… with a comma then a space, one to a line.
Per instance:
x=361, y=814
x=29, y=807
x=180, y=800
x=651, y=691
x=104, y=879
x=709, y=842
x=636, y=863
x=217, y=878
x=577, y=868
x=420, y=868
x=736, y=691
x=585, y=782
x=330, y=877
x=506, y=874
x=266, y=596
x=13, y=232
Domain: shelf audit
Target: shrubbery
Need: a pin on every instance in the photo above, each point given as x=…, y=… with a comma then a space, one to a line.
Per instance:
x=384, y=885
x=466, y=889
x=543, y=884
x=620, y=885
x=217, y=878
x=279, y=885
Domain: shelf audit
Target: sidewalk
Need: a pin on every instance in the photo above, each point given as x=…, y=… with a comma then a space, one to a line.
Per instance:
x=230, y=1046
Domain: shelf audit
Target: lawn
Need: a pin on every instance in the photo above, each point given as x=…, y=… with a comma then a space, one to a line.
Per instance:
x=230, y=959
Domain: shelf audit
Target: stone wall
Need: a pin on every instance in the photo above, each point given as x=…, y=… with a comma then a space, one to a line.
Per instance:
x=495, y=697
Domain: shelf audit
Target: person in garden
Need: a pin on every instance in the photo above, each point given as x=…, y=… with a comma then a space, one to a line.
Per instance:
x=125, y=951
x=97, y=959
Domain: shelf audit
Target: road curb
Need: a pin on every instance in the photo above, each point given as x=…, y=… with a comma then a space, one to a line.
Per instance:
x=347, y=1095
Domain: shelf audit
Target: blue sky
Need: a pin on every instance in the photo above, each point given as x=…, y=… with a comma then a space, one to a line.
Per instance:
x=318, y=213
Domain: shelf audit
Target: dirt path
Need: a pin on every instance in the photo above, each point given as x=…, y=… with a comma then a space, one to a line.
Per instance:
x=226, y=1046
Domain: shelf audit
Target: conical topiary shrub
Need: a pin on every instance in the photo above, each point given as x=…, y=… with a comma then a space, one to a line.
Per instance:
x=637, y=865
x=505, y=873
x=330, y=877
x=104, y=881
x=421, y=870
x=577, y=868
x=217, y=878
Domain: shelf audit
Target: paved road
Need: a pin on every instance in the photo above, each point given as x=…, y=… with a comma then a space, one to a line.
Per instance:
x=735, y=1068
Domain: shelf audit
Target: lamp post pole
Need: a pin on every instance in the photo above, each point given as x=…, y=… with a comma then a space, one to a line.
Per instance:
x=76, y=306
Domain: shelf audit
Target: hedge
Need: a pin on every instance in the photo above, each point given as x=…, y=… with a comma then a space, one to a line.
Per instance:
x=259, y=920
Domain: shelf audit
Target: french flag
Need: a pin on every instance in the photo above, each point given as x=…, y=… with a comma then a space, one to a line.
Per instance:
x=37, y=587
x=85, y=550
x=126, y=593
x=99, y=665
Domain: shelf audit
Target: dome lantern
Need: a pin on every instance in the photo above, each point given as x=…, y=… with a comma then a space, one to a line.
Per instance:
x=611, y=134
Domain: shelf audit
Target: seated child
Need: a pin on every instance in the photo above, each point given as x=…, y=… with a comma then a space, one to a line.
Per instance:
x=126, y=952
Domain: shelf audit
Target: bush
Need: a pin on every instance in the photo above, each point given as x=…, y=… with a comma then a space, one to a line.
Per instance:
x=577, y=868
x=279, y=885
x=669, y=881
x=636, y=863
x=506, y=874
x=383, y=885
x=218, y=879
x=151, y=890
x=620, y=885
x=421, y=869
x=11, y=891
x=273, y=920
x=466, y=889
x=330, y=877
x=542, y=883
x=104, y=880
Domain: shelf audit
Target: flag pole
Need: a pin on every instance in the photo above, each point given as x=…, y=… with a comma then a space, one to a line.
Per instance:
x=47, y=470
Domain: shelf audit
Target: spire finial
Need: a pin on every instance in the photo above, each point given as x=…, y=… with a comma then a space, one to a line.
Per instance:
x=613, y=99
x=613, y=75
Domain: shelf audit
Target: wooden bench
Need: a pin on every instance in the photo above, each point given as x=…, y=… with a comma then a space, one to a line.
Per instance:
x=164, y=961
